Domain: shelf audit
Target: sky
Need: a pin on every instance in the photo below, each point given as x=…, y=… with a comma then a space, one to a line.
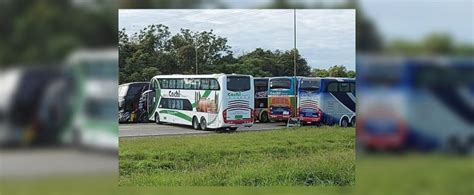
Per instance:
x=324, y=37
x=403, y=19
x=414, y=20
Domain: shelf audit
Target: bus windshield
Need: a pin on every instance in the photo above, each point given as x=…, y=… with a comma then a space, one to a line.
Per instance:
x=238, y=83
x=280, y=84
x=310, y=85
x=261, y=85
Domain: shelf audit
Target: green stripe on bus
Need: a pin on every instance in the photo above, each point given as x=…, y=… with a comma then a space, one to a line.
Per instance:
x=177, y=114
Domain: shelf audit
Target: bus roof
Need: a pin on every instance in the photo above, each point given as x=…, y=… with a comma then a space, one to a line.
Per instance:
x=178, y=76
x=287, y=77
x=93, y=55
x=133, y=83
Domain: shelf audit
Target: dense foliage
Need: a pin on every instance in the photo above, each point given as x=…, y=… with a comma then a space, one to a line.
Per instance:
x=154, y=50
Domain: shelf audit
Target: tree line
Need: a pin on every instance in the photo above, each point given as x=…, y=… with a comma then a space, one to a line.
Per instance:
x=154, y=50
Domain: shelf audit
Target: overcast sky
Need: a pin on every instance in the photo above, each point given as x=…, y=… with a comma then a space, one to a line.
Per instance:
x=324, y=37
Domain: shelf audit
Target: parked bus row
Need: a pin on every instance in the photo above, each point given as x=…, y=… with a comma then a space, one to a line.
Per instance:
x=229, y=101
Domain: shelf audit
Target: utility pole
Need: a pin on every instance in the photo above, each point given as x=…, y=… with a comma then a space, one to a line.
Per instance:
x=196, y=53
x=294, y=41
x=294, y=62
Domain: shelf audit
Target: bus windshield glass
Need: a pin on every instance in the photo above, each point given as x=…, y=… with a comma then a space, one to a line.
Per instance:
x=280, y=84
x=261, y=85
x=312, y=85
x=238, y=83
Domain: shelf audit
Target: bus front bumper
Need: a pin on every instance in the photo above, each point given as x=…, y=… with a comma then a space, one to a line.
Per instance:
x=279, y=117
x=310, y=120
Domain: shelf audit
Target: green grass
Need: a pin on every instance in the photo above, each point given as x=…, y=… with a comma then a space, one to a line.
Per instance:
x=428, y=174
x=289, y=157
x=380, y=174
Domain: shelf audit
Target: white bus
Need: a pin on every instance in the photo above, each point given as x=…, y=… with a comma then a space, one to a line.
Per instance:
x=217, y=101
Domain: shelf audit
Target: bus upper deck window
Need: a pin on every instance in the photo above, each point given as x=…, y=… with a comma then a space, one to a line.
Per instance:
x=172, y=84
x=180, y=84
x=344, y=87
x=164, y=83
x=238, y=83
x=332, y=87
x=204, y=84
x=214, y=85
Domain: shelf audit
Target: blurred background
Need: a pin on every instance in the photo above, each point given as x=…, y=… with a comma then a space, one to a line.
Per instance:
x=58, y=67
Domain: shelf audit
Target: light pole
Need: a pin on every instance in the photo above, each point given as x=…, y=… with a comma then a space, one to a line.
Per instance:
x=196, y=53
x=294, y=61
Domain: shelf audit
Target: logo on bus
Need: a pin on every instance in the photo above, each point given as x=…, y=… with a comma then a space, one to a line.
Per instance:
x=237, y=95
x=174, y=93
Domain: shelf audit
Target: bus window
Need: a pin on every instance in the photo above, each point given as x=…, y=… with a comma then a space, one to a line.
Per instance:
x=352, y=87
x=204, y=84
x=214, y=85
x=172, y=84
x=176, y=104
x=344, y=87
x=164, y=103
x=164, y=83
x=187, y=83
x=280, y=84
x=238, y=83
x=310, y=85
x=180, y=84
x=332, y=87
x=261, y=85
x=195, y=83
x=187, y=105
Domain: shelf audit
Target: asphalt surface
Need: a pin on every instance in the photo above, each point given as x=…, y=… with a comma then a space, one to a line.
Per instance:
x=152, y=129
x=21, y=163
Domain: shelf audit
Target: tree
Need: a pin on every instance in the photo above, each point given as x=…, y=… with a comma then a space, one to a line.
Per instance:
x=337, y=71
x=351, y=74
x=149, y=73
x=319, y=73
x=438, y=43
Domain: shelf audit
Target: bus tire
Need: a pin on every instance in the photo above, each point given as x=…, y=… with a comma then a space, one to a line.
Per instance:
x=232, y=129
x=344, y=122
x=203, y=124
x=157, y=118
x=196, y=124
x=353, y=122
x=264, y=117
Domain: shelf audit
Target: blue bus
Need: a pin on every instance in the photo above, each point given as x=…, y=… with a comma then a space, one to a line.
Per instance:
x=282, y=98
x=327, y=100
x=417, y=103
x=309, y=93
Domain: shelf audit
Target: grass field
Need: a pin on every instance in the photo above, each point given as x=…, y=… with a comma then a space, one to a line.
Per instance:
x=306, y=156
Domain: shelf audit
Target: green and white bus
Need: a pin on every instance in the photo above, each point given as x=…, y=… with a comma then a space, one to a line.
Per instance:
x=217, y=101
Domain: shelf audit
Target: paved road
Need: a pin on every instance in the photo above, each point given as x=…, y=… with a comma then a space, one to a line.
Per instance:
x=152, y=129
x=28, y=163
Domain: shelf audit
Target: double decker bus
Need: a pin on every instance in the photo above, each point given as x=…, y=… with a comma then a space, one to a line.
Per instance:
x=309, y=93
x=261, y=99
x=282, y=97
x=338, y=101
x=217, y=101
x=327, y=100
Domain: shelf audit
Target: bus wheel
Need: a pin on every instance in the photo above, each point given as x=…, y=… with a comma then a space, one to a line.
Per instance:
x=344, y=122
x=232, y=129
x=196, y=124
x=353, y=122
x=157, y=118
x=203, y=124
x=264, y=117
